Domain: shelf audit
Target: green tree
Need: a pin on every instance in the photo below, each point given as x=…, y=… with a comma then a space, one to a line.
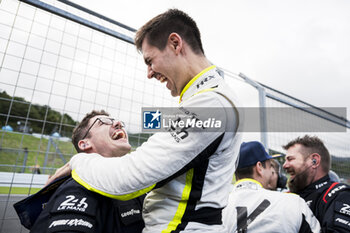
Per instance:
x=41, y=118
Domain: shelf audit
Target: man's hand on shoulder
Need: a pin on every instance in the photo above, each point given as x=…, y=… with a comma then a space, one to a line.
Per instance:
x=60, y=172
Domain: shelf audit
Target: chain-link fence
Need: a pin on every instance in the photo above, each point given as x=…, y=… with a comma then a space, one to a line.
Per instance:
x=320, y=122
x=58, y=62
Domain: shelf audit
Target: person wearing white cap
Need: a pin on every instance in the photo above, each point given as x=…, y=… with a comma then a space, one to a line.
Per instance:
x=254, y=208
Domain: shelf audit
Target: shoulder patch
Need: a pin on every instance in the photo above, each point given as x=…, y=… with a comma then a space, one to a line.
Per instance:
x=342, y=208
x=332, y=191
x=75, y=203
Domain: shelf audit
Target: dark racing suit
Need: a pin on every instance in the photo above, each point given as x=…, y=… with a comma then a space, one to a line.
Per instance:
x=72, y=208
x=330, y=202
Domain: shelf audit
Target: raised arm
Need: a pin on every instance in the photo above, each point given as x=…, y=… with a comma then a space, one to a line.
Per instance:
x=162, y=157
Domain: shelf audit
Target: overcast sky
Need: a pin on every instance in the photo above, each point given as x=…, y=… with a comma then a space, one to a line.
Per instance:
x=300, y=47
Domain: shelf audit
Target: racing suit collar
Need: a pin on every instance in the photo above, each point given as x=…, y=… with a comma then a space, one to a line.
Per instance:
x=248, y=183
x=317, y=185
x=197, y=83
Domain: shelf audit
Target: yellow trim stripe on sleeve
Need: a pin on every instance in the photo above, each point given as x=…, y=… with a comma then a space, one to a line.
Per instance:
x=193, y=80
x=183, y=204
x=118, y=197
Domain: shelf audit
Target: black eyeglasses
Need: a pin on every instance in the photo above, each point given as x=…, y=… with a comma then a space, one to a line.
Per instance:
x=106, y=121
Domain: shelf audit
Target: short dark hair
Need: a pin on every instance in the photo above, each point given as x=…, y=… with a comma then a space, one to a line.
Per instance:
x=312, y=144
x=247, y=172
x=158, y=29
x=276, y=165
x=80, y=130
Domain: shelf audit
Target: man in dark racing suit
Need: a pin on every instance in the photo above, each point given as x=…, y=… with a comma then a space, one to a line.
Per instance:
x=308, y=163
x=72, y=207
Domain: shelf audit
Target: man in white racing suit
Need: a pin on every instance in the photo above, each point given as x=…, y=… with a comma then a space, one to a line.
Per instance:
x=188, y=170
x=253, y=208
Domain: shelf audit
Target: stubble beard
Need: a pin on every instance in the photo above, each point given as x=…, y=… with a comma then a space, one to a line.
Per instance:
x=299, y=183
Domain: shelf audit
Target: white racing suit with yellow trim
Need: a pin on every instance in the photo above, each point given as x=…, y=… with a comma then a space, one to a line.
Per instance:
x=252, y=208
x=187, y=172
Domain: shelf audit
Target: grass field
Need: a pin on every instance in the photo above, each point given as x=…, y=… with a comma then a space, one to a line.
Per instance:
x=13, y=144
x=18, y=190
x=12, y=155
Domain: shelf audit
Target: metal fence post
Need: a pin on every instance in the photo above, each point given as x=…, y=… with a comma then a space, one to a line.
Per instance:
x=263, y=118
x=25, y=159
x=47, y=154
x=262, y=106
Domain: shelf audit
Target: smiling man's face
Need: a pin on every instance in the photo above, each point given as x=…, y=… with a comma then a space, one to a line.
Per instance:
x=296, y=165
x=108, y=140
x=162, y=65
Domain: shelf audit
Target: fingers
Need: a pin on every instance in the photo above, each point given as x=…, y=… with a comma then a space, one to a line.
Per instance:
x=60, y=172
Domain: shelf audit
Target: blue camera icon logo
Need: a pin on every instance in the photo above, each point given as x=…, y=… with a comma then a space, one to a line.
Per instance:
x=152, y=119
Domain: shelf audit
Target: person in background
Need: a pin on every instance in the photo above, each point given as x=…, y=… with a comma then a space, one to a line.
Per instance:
x=254, y=208
x=36, y=169
x=333, y=176
x=308, y=162
x=281, y=182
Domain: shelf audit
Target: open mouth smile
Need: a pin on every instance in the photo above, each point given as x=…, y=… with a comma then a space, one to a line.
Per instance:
x=160, y=77
x=119, y=134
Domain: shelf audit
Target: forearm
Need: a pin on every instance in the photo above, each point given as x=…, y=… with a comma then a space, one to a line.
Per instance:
x=132, y=175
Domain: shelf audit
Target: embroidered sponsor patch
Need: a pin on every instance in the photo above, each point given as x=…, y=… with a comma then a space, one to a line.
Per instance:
x=130, y=212
x=342, y=221
x=71, y=223
x=203, y=81
x=317, y=186
x=342, y=208
x=332, y=191
x=335, y=190
x=74, y=203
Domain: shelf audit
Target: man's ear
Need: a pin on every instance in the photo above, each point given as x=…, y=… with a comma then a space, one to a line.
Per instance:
x=316, y=160
x=259, y=168
x=175, y=42
x=84, y=145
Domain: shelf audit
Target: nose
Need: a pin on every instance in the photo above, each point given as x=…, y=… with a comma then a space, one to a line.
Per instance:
x=285, y=165
x=117, y=124
x=150, y=72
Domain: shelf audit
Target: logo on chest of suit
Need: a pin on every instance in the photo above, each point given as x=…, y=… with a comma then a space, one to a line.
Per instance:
x=343, y=221
x=130, y=213
x=317, y=186
x=203, y=81
x=345, y=209
x=331, y=193
x=179, y=131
